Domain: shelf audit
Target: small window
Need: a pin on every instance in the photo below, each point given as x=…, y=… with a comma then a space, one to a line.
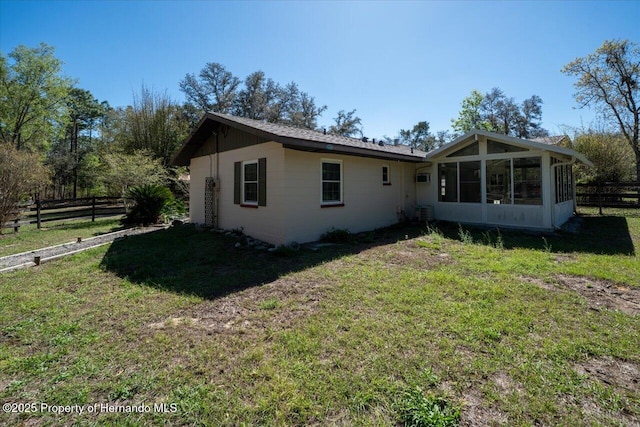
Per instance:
x=331, y=182
x=495, y=147
x=386, y=179
x=250, y=182
x=470, y=150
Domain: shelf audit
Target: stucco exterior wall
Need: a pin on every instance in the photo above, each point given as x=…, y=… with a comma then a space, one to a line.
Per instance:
x=199, y=169
x=368, y=204
x=262, y=222
x=294, y=211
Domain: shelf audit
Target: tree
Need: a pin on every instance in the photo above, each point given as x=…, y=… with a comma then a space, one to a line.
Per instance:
x=528, y=122
x=122, y=171
x=258, y=97
x=495, y=112
x=258, y=93
x=306, y=116
x=33, y=92
x=154, y=123
x=609, y=79
x=471, y=114
x=84, y=111
x=346, y=124
x=418, y=137
x=215, y=90
x=20, y=173
x=609, y=153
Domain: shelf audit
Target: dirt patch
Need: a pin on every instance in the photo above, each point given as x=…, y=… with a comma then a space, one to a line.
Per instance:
x=601, y=294
x=408, y=254
x=274, y=305
x=476, y=413
x=621, y=376
x=616, y=373
x=507, y=385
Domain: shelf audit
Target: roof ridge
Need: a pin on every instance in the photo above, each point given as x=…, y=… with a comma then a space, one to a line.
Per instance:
x=290, y=126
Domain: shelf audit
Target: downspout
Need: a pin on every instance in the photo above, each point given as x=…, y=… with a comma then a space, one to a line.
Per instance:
x=573, y=187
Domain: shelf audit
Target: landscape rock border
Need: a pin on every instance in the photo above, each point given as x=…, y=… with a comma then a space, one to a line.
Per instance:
x=39, y=256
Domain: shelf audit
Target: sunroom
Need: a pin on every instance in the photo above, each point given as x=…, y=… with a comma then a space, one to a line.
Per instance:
x=497, y=180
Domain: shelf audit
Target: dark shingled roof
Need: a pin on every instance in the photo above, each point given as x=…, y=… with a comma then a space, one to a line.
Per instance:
x=296, y=138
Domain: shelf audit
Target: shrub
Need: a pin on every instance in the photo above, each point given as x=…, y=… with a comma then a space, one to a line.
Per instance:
x=20, y=173
x=147, y=203
x=337, y=236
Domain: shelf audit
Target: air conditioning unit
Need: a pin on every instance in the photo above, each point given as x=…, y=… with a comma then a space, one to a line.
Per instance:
x=425, y=213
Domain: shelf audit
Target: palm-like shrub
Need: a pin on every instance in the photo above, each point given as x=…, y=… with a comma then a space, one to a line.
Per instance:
x=147, y=203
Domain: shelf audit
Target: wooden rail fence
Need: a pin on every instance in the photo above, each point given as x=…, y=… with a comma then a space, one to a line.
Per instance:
x=42, y=211
x=609, y=194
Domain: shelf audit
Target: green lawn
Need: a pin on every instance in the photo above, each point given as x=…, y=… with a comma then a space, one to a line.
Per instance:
x=54, y=233
x=416, y=326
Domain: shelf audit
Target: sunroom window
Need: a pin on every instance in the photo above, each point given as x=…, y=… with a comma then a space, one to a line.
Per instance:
x=499, y=181
x=495, y=147
x=472, y=149
x=467, y=174
x=514, y=181
x=527, y=181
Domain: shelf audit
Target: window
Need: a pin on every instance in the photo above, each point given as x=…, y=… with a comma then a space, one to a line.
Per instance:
x=514, y=181
x=331, y=182
x=470, y=182
x=495, y=147
x=499, y=181
x=386, y=180
x=250, y=182
x=465, y=173
x=470, y=150
x=563, y=181
x=527, y=181
x=448, y=178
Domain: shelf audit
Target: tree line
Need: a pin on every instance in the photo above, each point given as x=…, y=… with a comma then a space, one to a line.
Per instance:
x=85, y=146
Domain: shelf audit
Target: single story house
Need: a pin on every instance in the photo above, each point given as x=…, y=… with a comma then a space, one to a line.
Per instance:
x=283, y=184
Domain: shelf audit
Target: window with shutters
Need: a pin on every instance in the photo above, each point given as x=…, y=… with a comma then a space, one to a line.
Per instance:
x=250, y=182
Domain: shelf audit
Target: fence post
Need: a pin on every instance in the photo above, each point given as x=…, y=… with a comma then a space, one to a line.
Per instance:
x=600, y=197
x=38, y=209
x=93, y=209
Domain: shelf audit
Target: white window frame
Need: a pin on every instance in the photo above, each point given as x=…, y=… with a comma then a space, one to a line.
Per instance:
x=341, y=181
x=244, y=200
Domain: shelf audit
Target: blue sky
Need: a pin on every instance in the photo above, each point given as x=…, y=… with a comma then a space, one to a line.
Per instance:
x=397, y=63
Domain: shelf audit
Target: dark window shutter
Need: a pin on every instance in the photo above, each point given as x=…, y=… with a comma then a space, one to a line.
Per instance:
x=237, y=182
x=262, y=181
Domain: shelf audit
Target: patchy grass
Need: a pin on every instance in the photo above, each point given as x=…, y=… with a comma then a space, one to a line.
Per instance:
x=30, y=238
x=404, y=326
